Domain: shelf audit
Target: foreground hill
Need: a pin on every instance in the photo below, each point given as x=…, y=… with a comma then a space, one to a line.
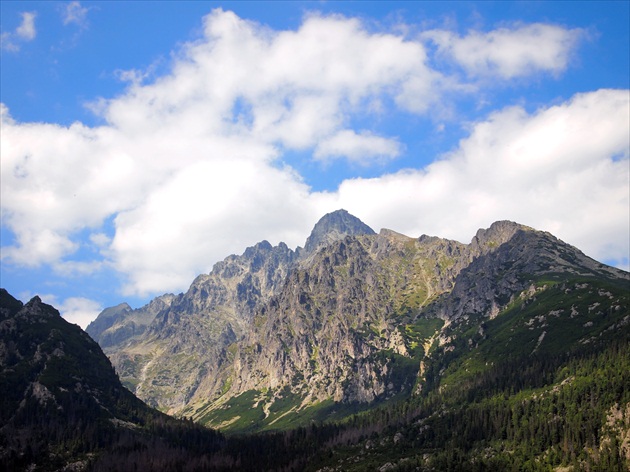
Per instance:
x=63, y=407
x=277, y=338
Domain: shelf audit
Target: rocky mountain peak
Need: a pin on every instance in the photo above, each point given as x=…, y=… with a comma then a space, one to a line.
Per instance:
x=107, y=318
x=9, y=306
x=347, y=319
x=35, y=309
x=119, y=323
x=497, y=234
x=333, y=227
x=262, y=246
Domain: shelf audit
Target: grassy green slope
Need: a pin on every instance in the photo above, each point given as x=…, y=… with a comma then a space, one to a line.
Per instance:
x=553, y=318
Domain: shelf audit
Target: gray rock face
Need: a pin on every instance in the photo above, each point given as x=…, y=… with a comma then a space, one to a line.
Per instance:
x=106, y=319
x=318, y=334
x=184, y=349
x=344, y=305
x=237, y=284
x=173, y=351
x=326, y=322
x=117, y=325
x=504, y=259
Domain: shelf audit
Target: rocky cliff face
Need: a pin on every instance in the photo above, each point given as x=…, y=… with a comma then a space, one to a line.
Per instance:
x=347, y=319
x=323, y=333
x=504, y=260
x=184, y=352
x=184, y=348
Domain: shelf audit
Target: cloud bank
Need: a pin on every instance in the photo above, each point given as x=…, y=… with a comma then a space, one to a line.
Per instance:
x=196, y=165
x=564, y=169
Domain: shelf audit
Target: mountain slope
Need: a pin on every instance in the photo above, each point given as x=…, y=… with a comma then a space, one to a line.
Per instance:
x=544, y=385
x=62, y=404
x=183, y=353
x=119, y=324
x=183, y=350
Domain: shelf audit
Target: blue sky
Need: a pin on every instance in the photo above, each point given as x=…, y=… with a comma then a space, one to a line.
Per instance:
x=142, y=142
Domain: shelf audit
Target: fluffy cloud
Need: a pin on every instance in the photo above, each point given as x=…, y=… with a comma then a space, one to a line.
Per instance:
x=292, y=88
x=73, y=12
x=564, y=169
x=26, y=31
x=80, y=311
x=510, y=52
x=77, y=310
x=205, y=212
x=191, y=167
x=183, y=157
x=56, y=181
x=363, y=148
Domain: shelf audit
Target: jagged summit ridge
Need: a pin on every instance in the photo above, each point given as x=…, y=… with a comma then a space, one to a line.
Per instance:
x=117, y=324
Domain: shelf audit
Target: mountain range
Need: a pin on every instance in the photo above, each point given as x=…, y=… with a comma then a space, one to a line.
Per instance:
x=276, y=338
x=361, y=351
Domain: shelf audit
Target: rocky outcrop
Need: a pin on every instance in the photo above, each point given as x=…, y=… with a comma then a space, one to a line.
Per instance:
x=185, y=347
x=322, y=335
x=236, y=285
x=183, y=354
x=316, y=334
x=106, y=319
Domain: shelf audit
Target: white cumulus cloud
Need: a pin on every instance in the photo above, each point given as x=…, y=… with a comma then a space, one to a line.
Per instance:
x=190, y=167
x=76, y=310
x=564, y=169
x=510, y=52
x=79, y=310
x=363, y=148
